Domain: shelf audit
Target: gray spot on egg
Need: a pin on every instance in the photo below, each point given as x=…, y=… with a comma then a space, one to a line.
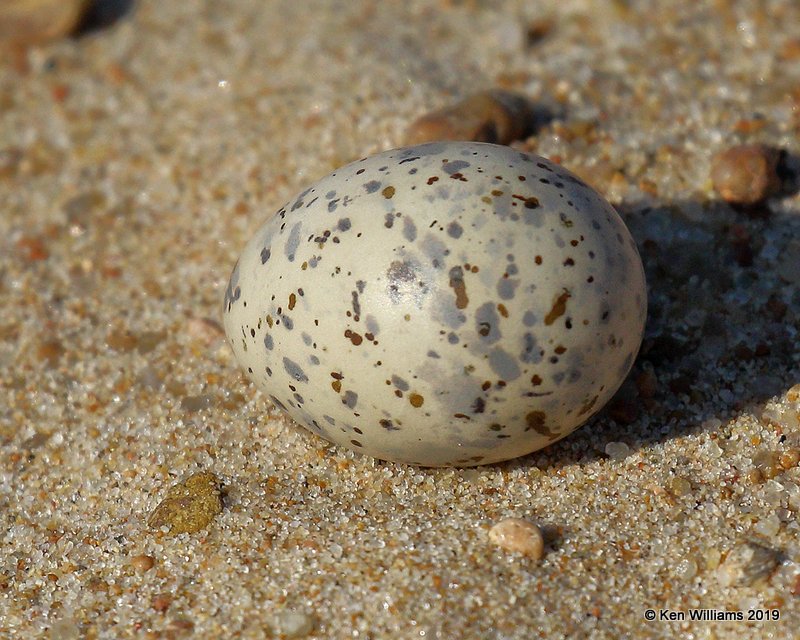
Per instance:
x=529, y=319
x=454, y=166
x=503, y=364
x=232, y=291
x=401, y=384
x=409, y=229
x=506, y=288
x=294, y=370
x=434, y=249
x=454, y=230
x=422, y=151
x=293, y=241
x=487, y=323
x=372, y=324
x=531, y=352
x=405, y=282
x=350, y=399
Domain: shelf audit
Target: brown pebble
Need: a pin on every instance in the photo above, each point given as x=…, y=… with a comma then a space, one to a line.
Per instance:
x=122, y=340
x=49, y=351
x=746, y=174
x=518, y=535
x=190, y=506
x=142, y=563
x=537, y=30
x=197, y=403
x=496, y=116
x=789, y=458
x=793, y=394
x=32, y=249
x=180, y=628
x=679, y=486
x=205, y=330
x=24, y=22
x=766, y=462
x=161, y=602
x=149, y=340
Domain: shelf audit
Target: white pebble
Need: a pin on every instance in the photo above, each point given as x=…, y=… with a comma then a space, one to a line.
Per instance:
x=687, y=569
x=518, y=535
x=65, y=629
x=294, y=624
x=617, y=450
x=768, y=527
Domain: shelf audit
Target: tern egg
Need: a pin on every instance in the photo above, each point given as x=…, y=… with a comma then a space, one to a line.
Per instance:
x=452, y=303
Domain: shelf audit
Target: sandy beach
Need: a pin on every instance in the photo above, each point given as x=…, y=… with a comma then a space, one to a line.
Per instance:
x=138, y=156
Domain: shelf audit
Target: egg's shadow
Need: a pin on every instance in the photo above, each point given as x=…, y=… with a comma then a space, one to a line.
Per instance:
x=723, y=303
x=101, y=14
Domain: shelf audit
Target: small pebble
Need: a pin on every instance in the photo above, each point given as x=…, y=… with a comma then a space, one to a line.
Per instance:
x=789, y=458
x=180, y=628
x=64, y=629
x=142, y=563
x=687, y=569
x=746, y=174
x=747, y=564
x=766, y=462
x=679, y=486
x=293, y=624
x=122, y=340
x=617, y=450
x=518, y=535
x=26, y=22
x=149, y=340
x=496, y=116
x=537, y=30
x=197, y=403
x=205, y=330
x=32, y=249
x=161, y=602
x=190, y=506
x=768, y=527
x=49, y=351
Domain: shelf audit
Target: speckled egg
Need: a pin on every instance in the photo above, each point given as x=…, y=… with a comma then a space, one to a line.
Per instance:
x=452, y=303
